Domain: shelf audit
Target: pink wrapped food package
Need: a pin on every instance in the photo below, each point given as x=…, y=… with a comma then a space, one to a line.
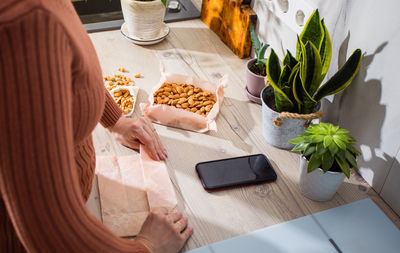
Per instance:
x=176, y=117
x=129, y=187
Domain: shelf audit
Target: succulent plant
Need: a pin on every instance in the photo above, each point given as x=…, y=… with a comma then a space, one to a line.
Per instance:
x=327, y=146
x=297, y=85
x=259, y=50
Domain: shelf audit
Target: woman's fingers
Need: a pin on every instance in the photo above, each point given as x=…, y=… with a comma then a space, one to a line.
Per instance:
x=181, y=224
x=186, y=233
x=174, y=217
x=155, y=139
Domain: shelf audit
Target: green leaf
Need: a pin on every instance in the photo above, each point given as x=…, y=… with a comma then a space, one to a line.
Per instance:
x=351, y=159
x=344, y=166
x=282, y=101
x=300, y=147
x=162, y=1
x=284, y=78
x=261, y=53
x=254, y=40
x=327, y=141
x=342, y=78
x=289, y=60
x=320, y=148
x=313, y=163
x=317, y=138
x=325, y=51
x=339, y=142
x=333, y=148
x=313, y=32
x=310, y=68
x=273, y=68
x=297, y=140
x=309, y=150
x=327, y=161
x=305, y=103
x=353, y=150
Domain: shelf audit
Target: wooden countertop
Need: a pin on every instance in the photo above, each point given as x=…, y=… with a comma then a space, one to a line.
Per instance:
x=192, y=49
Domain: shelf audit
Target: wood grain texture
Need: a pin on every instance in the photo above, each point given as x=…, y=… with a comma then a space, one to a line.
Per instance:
x=193, y=49
x=230, y=19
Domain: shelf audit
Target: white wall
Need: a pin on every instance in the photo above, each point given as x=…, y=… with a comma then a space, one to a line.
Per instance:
x=370, y=106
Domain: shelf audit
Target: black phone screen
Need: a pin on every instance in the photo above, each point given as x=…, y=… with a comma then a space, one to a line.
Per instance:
x=236, y=171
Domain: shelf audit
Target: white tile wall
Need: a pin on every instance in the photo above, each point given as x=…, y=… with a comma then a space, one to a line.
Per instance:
x=370, y=106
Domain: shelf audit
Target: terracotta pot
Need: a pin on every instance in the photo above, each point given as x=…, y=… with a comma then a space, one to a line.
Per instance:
x=143, y=18
x=317, y=185
x=254, y=85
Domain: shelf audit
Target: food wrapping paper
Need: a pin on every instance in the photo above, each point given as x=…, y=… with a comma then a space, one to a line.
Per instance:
x=129, y=187
x=179, y=118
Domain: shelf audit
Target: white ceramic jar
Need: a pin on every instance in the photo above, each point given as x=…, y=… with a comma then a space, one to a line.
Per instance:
x=143, y=18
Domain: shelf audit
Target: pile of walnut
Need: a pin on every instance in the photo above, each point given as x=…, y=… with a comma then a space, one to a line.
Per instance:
x=186, y=97
x=124, y=100
x=117, y=80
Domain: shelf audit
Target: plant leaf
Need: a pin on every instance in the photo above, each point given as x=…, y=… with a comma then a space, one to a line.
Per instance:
x=273, y=68
x=342, y=78
x=297, y=88
x=351, y=159
x=325, y=51
x=313, y=163
x=320, y=149
x=282, y=102
x=339, y=142
x=327, y=161
x=353, y=150
x=310, y=68
x=313, y=32
x=327, y=141
x=297, y=140
x=289, y=60
x=333, y=148
x=261, y=53
x=284, y=78
x=344, y=166
x=305, y=102
x=309, y=150
x=254, y=39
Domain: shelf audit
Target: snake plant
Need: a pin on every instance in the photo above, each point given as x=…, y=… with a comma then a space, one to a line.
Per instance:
x=259, y=50
x=297, y=83
x=327, y=146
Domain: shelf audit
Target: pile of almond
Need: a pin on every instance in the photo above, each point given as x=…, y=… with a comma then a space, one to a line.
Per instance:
x=124, y=100
x=186, y=97
x=112, y=82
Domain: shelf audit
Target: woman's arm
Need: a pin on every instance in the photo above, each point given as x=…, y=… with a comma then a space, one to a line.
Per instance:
x=38, y=180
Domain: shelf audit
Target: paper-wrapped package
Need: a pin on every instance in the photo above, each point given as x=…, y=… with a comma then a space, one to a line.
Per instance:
x=129, y=187
x=176, y=117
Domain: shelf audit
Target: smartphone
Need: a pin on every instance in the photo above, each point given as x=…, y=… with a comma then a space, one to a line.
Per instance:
x=234, y=172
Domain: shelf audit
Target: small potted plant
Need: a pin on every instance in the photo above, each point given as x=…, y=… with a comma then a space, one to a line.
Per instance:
x=328, y=154
x=143, y=18
x=291, y=100
x=255, y=71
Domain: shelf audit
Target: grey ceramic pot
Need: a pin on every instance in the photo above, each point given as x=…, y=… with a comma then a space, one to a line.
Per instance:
x=274, y=135
x=254, y=85
x=317, y=185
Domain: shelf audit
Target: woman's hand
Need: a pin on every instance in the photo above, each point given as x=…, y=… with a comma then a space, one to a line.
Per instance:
x=133, y=132
x=164, y=232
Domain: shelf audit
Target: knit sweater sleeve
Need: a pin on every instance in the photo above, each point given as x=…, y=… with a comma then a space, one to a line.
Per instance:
x=38, y=180
x=111, y=112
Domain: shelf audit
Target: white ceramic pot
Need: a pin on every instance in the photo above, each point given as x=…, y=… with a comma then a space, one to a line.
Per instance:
x=143, y=18
x=317, y=185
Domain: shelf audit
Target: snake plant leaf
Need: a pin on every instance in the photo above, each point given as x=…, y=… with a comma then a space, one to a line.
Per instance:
x=289, y=60
x=342, y=78
x=297, y=88
x=254, y=39
x=314, y=163
x=284, y=79
x=282, y=101
x=351, y=159
x=306, y=102
x=327, y=161
x=273, y=68
x=313, y=32
x=310, y=68
x=263, y=48
x=344, y=166
x=325, y=51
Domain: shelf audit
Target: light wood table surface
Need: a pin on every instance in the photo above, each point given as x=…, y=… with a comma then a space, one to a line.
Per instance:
x=192, y=49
